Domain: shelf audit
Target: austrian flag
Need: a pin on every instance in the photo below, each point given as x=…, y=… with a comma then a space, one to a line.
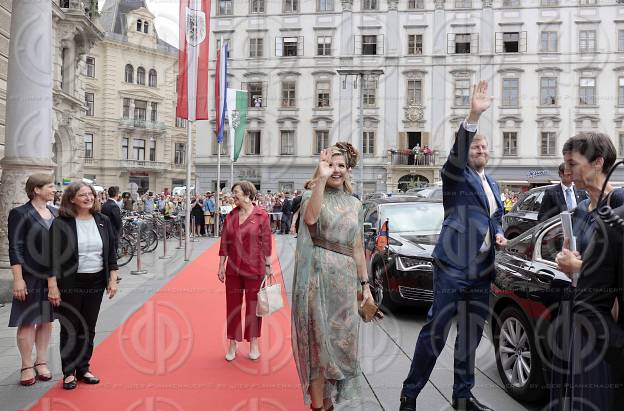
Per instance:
x=193, y=60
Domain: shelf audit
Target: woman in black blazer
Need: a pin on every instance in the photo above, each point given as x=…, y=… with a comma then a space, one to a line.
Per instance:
x=31, y=312
x=83, y=265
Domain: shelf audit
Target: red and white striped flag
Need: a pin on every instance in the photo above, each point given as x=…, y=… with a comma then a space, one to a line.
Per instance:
x=193, y=60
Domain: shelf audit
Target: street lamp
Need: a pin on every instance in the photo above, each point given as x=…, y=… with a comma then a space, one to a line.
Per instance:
x=360, y=75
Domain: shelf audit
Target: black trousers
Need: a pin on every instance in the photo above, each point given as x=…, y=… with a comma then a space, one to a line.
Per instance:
x=78, y=314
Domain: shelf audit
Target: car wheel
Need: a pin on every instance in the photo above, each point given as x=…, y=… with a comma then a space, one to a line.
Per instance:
x=381, y=292
x=517, y=358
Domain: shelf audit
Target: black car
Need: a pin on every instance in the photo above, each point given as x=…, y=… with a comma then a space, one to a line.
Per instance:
x=522, y=302
x=523, y=215
x=401, y=273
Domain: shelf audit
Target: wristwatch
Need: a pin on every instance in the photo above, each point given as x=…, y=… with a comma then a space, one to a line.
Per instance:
x=363, y=283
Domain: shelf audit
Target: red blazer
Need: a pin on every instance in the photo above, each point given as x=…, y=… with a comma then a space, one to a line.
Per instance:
x=246, y=245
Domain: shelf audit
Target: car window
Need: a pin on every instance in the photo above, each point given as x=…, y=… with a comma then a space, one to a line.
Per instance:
x=537, y=203
x=522, y=245
x=551, y=243
x=372, y=218
x=527, y=203
x=420, y=216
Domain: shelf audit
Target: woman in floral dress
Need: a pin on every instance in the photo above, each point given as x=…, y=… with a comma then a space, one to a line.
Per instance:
x=330, y=269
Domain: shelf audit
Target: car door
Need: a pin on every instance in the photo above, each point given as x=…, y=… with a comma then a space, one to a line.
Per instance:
x=371, y=215
x=513, y=269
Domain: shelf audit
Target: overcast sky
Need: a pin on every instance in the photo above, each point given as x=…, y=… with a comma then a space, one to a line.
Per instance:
x=166, y=12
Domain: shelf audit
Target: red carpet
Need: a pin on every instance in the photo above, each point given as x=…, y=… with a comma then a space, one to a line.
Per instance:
x=169, y=356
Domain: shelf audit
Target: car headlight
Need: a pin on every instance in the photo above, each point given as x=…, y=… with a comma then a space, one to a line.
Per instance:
x=410, y=264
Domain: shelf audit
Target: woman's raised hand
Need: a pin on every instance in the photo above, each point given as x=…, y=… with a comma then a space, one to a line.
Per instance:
x=325, y=168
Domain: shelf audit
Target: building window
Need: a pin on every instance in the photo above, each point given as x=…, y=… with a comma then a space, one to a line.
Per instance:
x=323, y=93
x=369, y=4
x=124, y=148
x=548, y=91
x=511, y=3
x=289, y=94
x=291, y=6
x=510, y=143
x=368, y=143
x=138, y=146
x=223, y=147
x=125, y=113
x=288, y=46
x=154, y=114
x=324, y=46
x=225, y=8
x=414, y=92
x=321, y=140
x=88, y=146
x=90, y=67
x=620, y=40
x=256, y=47
x=287, y=142
x=256, y=6
x=324, y=5
x=141, y=76
x=587, y=91
x=90, y=102
x=180, y=122
x=153, y=78
x=369, y=45
x=548, y=143
x=369, y=93
x=286, y=186
x=63, y=62
x=152, y=152
x=255, y=91
x=415, y=4
x=463, y=43
x=463, y=4
x=146, y=27
x=587, y=2
x=139, y=25
x=511, y=92
x=549, y=41
x=140, y=110
x=414, y=44
x=462, y=92
x=129, y=73
x=252, y=146
x=620, y=91
x=587, y=41
x=179, y=153
x=511, y=42
x=621, y=144
x=549, y=3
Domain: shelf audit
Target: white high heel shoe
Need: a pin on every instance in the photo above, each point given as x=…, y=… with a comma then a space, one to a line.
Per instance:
x=231, y=354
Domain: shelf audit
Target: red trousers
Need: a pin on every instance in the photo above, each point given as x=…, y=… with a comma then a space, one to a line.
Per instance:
x=235, y=287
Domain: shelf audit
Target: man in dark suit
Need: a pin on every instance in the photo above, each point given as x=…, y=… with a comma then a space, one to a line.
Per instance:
x=111, y=210
x=560, y=197
x=464, y=262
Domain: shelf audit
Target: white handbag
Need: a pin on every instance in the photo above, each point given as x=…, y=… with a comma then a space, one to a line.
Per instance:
x=269, y=297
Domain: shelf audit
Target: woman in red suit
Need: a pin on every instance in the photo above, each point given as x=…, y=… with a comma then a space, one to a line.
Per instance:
x=245, y=259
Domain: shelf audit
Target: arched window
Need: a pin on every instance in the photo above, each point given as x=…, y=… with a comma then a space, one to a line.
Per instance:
x=139, y=25
x=141, y=76
x=129, y=73
x=145, y=27
x=153, y=78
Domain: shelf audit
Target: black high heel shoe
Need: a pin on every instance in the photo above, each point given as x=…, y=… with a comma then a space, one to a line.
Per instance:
x=71, y=384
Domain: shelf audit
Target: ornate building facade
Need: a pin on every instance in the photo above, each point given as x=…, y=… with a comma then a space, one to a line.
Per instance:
x=555, y=68
x=131, y=132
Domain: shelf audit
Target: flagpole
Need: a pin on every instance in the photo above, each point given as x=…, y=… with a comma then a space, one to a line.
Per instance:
x=218, y=207
x=187, y=213
x=231, y=172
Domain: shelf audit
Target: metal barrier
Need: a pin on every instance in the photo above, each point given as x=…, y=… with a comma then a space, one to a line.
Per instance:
x=164, y=256
x=139, y=270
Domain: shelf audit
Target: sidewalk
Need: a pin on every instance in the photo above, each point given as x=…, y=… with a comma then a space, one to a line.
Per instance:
x=134, y=290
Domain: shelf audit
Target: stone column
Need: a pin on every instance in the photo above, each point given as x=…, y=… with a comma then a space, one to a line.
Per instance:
x=28, y=145
x=439, y=122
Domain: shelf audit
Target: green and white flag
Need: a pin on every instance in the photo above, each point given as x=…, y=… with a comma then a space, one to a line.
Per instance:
x=237, y=117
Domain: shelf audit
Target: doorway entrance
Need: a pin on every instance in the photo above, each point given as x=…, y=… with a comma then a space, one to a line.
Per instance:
x=414, y=138
x=142, y=182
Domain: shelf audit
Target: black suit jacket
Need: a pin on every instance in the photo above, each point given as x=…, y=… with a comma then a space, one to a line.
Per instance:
x=111, y=210
x=64, y=249
x=554, y=202
x=29, y=240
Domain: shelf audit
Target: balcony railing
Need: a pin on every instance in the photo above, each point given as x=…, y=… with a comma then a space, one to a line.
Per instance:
x=177, y=166
x=406, y=157
x=139, y=123
x=89, y=7
x=143, y=164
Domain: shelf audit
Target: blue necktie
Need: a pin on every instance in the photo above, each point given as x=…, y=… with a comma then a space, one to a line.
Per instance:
x=568, y=198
